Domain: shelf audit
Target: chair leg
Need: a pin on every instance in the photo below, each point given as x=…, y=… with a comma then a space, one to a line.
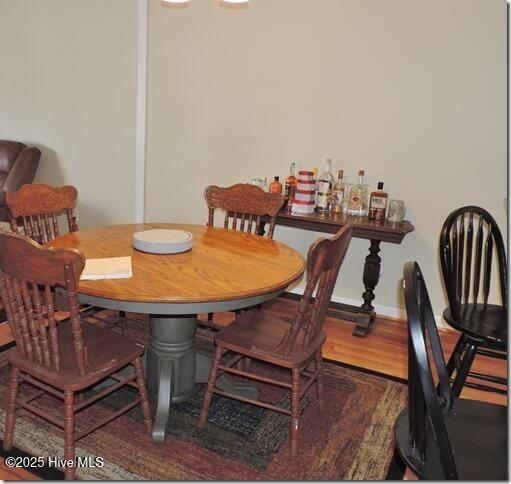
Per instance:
x=319, y=380
x=144, y=401
x=124, y=323
x=458, y=350
x=69, y=442
x=211, y=385
x=246, y=364
x=10, y=418
x=295, y=411
x=462, y=373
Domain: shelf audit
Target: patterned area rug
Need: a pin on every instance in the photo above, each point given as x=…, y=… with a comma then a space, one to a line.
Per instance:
x=351, y=440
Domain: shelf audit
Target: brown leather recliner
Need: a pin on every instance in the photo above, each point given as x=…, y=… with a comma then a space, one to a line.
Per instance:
x=18, y=164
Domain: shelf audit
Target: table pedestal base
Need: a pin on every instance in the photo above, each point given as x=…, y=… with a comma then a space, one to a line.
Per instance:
x=173, y=367
x=170, y=364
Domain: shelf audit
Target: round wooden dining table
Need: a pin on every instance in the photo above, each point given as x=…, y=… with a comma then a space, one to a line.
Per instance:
x=225, y=270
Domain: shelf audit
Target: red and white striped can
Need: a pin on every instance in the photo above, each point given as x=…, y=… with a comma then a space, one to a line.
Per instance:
x=305, y=194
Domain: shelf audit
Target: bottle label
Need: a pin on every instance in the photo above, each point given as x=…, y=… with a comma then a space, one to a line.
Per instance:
x=323, y=190
x=287, y=189
x=379, y=202
x=323, y=186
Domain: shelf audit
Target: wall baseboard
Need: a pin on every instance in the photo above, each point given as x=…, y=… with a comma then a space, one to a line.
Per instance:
x=388, y=311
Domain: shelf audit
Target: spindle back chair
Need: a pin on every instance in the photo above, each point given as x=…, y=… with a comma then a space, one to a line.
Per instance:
x=26, y=283
x=289, y=343
x=439, y=436
x=58, y=359
x=37, y=208
x=469, y=240
x=244, y=205
x=468, y=237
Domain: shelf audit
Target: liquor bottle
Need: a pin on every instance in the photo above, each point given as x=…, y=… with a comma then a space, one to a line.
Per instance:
x=357, y=201
x=290, y=187
x=275, y=186
x=378, y=203
x=325, y=184
x=338, y=193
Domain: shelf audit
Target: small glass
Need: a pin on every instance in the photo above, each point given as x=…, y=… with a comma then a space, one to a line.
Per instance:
x=396, y=211
x=259, y=182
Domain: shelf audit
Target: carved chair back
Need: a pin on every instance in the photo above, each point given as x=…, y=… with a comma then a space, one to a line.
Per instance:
x=28, y=274
x=324, y=260
x=469, y=236
x=426, y=404
x=244, y=205
x=37, y=207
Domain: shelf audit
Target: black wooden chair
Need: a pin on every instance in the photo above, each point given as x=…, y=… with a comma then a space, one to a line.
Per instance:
x=292, y=344
x=469, y=238
x=439, y=436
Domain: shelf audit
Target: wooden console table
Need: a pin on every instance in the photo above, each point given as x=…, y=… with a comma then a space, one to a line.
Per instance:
x=376, y=232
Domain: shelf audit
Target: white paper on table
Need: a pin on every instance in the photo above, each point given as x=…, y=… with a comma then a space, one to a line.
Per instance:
x=108, y=268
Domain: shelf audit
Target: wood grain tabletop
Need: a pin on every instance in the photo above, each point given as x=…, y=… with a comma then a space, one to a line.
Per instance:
x=222, y=265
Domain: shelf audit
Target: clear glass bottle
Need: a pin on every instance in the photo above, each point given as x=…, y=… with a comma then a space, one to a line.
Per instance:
x=378, y=203
x=290, y=187
x=357, y=202
x=337, y=197
x=325, y=183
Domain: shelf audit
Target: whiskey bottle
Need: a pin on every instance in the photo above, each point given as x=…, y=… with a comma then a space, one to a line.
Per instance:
x=325, y=184
x=290, y=187
x=275, y=186
x=357, y=201
x=337, y=197
x=378, y=203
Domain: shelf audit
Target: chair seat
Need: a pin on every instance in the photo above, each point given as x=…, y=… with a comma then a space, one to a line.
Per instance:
x=258, y=333
x=107, y=351
x=478, y=436
x=484, y=322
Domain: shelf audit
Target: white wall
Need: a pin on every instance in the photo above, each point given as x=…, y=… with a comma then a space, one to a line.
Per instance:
x=68, y=86
x=412, y=91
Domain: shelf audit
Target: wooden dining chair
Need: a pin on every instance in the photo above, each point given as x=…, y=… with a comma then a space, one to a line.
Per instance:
x=62, y=360
x=43, y=213
x=469, y=240
x=293, y=344
x=35, y=210
x=438, y=435
x=243, y=205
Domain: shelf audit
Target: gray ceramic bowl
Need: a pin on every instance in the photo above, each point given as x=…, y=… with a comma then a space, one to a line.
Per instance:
x=163, y=241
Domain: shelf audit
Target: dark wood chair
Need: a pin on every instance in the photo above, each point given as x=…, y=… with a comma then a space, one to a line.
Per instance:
x=290, y=344
x=244, y=205
x=61, y=360
x=43, y=212
x=439, y=436
x=468, y=241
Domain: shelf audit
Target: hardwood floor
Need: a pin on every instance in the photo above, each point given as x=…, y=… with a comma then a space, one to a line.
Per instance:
x=383, y=351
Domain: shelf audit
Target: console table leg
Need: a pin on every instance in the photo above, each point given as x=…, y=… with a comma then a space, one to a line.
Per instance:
x=260, y=231
x=371, y=276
